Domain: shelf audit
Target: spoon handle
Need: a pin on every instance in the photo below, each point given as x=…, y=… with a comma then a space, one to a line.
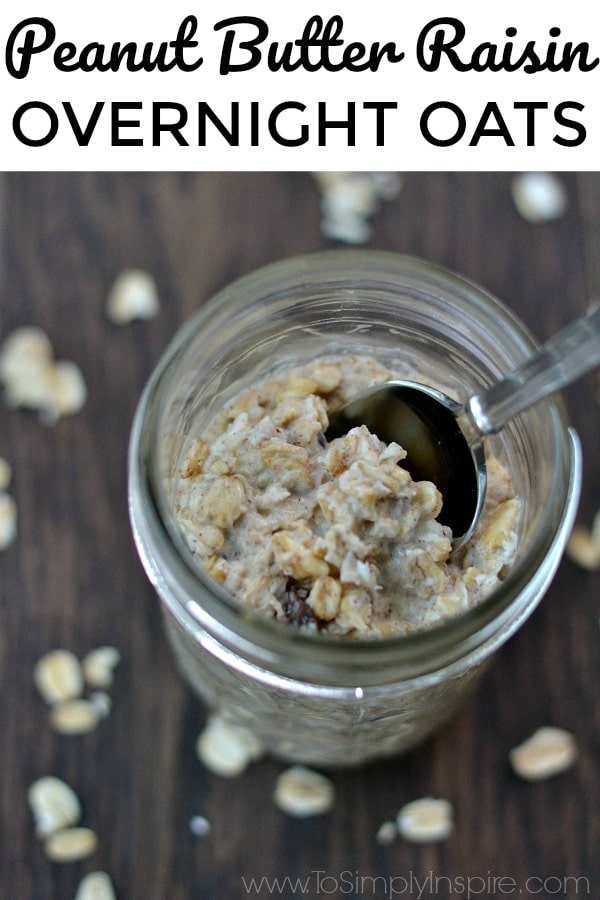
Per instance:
x=569, y=354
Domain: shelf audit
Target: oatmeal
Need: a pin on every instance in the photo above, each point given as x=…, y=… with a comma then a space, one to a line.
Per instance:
x=333, y=536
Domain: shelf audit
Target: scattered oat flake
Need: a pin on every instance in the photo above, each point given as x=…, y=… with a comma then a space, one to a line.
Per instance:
x=583, y=550
x=95, y=886
x=227, y=749
x=101, y=702
x=98, y=666
x=583, y=546
x=54, y=805
x=547, y=752
x=5, y=473
x=58, y=676
x=386, y=833
x=133, y=296
x=24, y=351
x=8, y=520
x=71, y=845
x=33, y=380
x=426, y=820
x=74, y=717
x=199, y=826
x=67, y=392
x=302, y=792
x=539, y=196
x=350, y=199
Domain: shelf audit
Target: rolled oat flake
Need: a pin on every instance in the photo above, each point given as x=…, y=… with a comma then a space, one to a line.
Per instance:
x=102, y=703
x=8, y=520
x=133, y=296
x=227, y=749
x=583, y=546
x=386, y=833
x=98, y=666
x=58, y=676
x=301, y=792
x=71, y=845
x=539, y=196
x=54, y=805
x=425, y=820
x=199, y=826
x=5, y=473
x=74, y=717
x=95, y=886
x=547, y=752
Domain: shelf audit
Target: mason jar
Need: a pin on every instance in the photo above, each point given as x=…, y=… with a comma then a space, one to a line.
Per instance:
x=315, y=698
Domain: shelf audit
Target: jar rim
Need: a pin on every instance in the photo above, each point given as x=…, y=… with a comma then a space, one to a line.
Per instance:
x=273, y=644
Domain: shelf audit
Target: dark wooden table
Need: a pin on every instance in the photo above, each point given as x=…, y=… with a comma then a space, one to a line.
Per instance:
x=72, y=579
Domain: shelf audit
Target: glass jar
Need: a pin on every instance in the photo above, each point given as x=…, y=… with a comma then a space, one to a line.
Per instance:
x=311, y=698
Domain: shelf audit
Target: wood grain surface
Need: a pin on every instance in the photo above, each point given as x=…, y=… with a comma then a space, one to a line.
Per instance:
x=72, y=578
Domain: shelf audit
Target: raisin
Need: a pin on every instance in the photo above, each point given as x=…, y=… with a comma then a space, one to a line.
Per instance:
x=296, y=611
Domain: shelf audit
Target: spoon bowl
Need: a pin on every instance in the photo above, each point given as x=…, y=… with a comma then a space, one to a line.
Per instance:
x=443, y=439
x=426, y=423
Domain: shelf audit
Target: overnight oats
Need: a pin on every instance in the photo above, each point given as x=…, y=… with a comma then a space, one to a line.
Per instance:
x=331, y=536
x=308, y=586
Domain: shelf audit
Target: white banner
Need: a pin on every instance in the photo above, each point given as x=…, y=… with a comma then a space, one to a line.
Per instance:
x=274, y=86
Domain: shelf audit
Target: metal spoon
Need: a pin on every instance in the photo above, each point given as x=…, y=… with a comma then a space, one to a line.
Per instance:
x=443, y=438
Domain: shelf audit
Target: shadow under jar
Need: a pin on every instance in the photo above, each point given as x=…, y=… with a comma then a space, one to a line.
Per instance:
x=312, y=697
